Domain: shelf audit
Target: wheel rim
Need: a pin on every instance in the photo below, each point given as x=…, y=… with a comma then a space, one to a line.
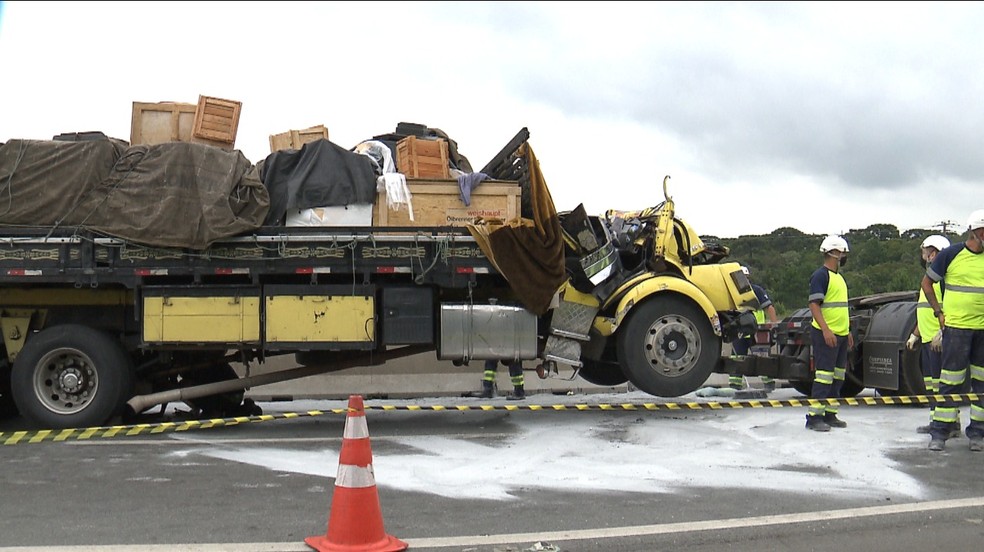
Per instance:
x=65, y=380
x=672, y=345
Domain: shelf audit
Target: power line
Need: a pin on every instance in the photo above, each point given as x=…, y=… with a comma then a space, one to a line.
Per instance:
x=944, y=225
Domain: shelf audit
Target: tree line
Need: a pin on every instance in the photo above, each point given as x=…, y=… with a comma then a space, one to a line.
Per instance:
x=881, y=259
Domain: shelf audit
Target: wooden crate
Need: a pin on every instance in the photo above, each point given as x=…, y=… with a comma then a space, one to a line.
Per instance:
x=157, y=123
x=419, y=158
x=438, y=203
x=217, y=119
x=294, y=139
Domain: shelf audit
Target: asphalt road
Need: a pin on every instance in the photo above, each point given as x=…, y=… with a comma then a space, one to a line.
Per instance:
x=462, y=481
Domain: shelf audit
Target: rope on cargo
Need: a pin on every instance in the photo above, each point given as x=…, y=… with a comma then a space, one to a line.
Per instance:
x=82, y=434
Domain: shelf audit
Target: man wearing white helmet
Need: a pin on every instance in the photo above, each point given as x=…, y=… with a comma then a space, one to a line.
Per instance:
x=961, y=269
x=830, y=335
x=927, y=330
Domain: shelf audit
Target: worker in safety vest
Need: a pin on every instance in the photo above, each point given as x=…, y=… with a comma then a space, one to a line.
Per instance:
x=961, y=315
x=927, y=330
x=740, y=346
x=830, y=333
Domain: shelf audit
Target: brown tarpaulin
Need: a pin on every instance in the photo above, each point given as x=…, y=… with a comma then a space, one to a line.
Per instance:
x=528, y=253
x=175, y=194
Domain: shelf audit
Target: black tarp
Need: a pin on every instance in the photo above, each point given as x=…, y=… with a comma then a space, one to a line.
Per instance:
x=168, y=195
x=320, y=174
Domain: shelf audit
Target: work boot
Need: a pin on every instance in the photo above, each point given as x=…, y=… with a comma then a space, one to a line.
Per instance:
x=487, y=392
x=832, y=420
x=816, y=423
x=954, y=431
x=518, y=394
x=937, y=445
x=976, y=444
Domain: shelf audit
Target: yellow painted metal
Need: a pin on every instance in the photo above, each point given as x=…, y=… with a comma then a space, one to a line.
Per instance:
x=572, y=295
x=15, y=330
x=665, y=284
x=54, y=296
x=716, y=283
x=201, y=319
x=320, y=318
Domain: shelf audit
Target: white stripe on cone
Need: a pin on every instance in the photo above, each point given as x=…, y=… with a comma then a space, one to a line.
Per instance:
x=356, y=428
x=355, y=477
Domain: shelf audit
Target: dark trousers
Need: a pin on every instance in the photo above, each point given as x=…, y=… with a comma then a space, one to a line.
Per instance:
x=831, y=368
x=963, y=352
x=515, y=372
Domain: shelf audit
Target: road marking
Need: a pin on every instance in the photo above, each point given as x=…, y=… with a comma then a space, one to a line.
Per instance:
x=550, y=536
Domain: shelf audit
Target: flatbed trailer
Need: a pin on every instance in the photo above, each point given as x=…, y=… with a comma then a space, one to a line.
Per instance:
x=278, y=291
x=95, y=326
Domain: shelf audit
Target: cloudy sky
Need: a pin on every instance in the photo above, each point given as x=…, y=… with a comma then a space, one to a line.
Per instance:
x=822, y=116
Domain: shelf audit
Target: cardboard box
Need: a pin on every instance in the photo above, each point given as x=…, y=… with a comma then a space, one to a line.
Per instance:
x=216, y=119
x=438, y=203
x=419, y=158
x=294, y=139
x=157, y=123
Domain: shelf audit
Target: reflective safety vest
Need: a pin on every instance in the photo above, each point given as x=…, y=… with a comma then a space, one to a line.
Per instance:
x=927, y=322
x=963, y=291
x=834, y=307
x=759, y=316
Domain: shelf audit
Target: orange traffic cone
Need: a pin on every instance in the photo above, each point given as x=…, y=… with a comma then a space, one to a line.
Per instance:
x=355, y=523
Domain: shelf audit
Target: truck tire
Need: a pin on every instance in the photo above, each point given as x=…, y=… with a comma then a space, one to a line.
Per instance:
x=667, y=348
x=601, y=372
x=71, y=376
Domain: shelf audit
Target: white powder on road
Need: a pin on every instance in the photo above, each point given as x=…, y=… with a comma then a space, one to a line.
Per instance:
x=749, y=448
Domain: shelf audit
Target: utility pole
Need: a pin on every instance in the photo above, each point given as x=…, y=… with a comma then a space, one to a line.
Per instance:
x=944, y=225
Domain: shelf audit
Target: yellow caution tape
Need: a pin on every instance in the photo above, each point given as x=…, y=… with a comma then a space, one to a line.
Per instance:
x=81, y=434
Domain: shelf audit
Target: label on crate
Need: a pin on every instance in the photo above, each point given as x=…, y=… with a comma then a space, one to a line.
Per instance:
x=464, y=216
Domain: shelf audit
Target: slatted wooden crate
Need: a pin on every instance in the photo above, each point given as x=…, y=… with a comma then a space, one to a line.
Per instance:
x=419, y=158
x=438, y=203
x=294, y=139
x=157, y=123
x=217, y=119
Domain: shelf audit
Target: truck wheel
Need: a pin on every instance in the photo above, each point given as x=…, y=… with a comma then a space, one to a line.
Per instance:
x=71, y=376
x=600, y=372
x=667, y=347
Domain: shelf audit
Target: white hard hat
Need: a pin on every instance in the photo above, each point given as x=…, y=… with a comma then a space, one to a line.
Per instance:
x=976, y=220
x=937, y=241
x=832, y=243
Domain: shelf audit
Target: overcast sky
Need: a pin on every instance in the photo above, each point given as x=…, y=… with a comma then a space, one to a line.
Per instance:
x=823, y=116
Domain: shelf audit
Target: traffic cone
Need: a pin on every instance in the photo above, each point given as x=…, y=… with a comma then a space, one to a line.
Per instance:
x=355, y=523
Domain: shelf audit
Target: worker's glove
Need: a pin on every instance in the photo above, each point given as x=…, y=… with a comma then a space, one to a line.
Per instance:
x=936, y=345
x=911, y=343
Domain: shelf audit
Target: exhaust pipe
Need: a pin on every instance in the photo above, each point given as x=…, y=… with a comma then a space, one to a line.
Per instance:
x=140, y=403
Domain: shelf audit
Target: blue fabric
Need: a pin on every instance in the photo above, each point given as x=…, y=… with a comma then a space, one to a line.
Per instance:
x=763, y=296
x=961, y=348
x=818, y=284
x=930, y=362
x=826, y=359
x=515, y=368
x=467, y=183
